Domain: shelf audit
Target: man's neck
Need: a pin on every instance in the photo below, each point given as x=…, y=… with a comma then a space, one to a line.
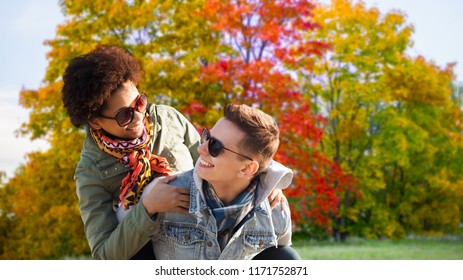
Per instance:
x=228, y=191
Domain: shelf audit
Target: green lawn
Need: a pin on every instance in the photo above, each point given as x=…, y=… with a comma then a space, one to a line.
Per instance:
x=361, y=249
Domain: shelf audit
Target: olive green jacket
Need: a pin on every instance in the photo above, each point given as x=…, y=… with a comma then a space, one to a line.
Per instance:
x=98, y=177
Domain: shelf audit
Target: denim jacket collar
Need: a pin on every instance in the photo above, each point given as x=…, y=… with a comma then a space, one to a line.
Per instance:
x=279, y=178
x=197, y=199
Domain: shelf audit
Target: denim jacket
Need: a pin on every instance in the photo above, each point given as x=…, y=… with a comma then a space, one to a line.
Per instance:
x=194, y=235
x=98, y=177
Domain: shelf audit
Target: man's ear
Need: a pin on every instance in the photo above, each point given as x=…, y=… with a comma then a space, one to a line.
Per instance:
x=250, y=168
x=95, y=124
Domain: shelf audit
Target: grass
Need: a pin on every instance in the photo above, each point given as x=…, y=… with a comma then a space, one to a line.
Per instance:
x=412, y=248
x=415, y=248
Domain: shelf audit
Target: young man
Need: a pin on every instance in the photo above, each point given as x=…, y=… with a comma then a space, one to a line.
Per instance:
x=229, y=215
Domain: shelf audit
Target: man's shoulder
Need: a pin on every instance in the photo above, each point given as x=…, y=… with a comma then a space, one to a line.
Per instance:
x=184, y=179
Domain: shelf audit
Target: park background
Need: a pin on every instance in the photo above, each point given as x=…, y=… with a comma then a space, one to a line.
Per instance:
x=377, y=120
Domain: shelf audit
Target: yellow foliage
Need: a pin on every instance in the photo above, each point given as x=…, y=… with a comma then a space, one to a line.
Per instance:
x=419, y=81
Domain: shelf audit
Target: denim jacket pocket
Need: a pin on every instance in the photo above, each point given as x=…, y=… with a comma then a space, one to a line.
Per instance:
x=186, y=242
x=258, y=242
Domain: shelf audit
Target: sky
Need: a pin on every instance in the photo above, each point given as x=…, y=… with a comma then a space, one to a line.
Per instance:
x=26, y=24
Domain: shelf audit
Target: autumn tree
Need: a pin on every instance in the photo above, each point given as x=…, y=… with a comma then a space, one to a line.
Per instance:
x=45, y=222
x=6, y=220
x=391, y=123
x=268, y=51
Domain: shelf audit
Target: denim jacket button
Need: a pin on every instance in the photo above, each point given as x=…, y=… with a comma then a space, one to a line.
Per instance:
x=261, y=243
x=187, y=236
x=209, y=244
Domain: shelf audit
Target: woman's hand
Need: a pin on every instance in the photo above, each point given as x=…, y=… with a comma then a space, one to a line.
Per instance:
x=277, y=197
x=165, y=198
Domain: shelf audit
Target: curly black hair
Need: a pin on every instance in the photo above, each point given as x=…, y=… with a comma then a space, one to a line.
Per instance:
x=90, y=79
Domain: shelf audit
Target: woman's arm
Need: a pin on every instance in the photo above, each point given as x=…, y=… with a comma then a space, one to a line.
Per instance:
x=106, y=237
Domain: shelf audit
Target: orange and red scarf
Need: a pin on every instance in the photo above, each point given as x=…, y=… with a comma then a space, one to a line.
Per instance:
x=136, y=154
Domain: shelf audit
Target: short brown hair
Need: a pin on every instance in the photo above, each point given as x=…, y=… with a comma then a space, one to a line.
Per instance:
x=90, y=79
x=262, y=133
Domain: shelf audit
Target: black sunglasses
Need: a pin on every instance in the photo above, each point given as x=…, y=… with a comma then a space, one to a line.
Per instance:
x=124, y=115
x=215, y=146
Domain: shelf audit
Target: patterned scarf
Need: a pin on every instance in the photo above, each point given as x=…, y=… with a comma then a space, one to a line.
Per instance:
x=229, y=217
x=136, y=154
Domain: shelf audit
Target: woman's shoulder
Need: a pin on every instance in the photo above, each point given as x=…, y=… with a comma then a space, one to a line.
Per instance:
x=92, y=157
x=166, y=113
x=183, y=179
x=91, y=150
x=161, y=109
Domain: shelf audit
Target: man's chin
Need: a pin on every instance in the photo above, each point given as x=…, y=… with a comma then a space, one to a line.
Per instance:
x=203, y=174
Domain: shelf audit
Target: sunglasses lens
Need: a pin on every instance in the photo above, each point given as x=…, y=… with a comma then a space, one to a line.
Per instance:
x=124, y=116
x=142, y=102
x=214, y=147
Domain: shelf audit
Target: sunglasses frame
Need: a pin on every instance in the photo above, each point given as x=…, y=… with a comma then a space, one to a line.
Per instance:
x=206, y=136
x=131, y=110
